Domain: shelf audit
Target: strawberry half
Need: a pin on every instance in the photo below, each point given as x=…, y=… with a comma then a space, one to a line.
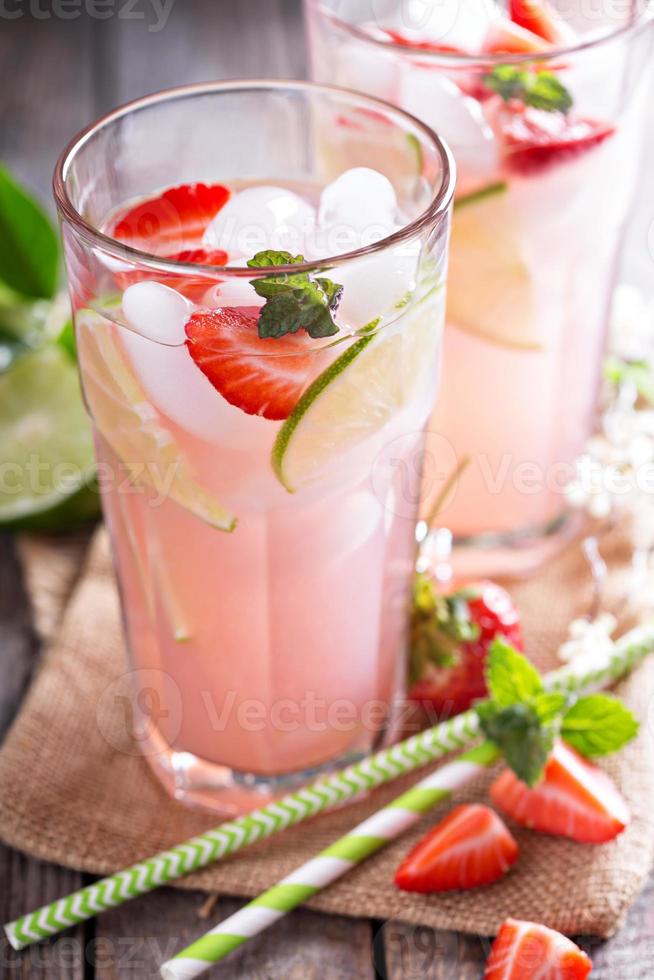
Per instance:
x=180, y=216
x=193, y=287
x=575, y=799
x=505, y=37
x=450, y=638
x=470, y=847
x=535, y=140
x=526, y=950
x=541, y=18
x=261, y=377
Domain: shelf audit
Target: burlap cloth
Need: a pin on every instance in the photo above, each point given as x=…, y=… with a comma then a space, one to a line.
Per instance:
x=74, y=791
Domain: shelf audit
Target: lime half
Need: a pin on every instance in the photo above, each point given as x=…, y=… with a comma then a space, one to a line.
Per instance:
x=47, y=467
x=358, y=394
x=130, y=425
x=490, y=292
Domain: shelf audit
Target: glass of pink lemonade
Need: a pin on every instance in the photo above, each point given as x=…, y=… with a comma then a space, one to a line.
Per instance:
x=543, y=105
x=258, y=312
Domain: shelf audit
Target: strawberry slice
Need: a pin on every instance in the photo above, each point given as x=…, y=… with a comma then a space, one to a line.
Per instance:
x=193, y=287
x=433, y=46
x=526, y=950
x=180, y=215
x=535, y=140
x=261, y=377
x=541, y=18
x=575, y=799
x=470, y=847
x=505, y=37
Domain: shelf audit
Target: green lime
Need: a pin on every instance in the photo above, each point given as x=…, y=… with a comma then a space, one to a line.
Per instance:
x=47, y=467
x=358, y=394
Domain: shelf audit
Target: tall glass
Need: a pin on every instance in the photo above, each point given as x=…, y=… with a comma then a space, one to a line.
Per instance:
x=264, y=564
x=536, y=243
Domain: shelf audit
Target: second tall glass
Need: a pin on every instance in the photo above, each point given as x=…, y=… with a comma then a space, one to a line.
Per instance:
x=547, y=140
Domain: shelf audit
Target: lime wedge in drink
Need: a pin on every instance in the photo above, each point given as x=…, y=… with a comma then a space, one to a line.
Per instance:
x=47, y=466
x=358, y=394
x=489, y=288
x=130, y=425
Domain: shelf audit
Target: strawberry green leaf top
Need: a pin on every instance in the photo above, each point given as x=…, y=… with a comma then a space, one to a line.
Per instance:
x=294, y=301
x=539, y=89
x=525, y=721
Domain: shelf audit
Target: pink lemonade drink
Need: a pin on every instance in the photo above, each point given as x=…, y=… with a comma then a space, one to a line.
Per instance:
x=544, y=112
x=258, y=320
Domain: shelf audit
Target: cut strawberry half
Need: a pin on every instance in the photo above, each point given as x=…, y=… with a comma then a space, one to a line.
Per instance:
x=178, y=217
x=541, y=18
x=470, y=847
x=575, y=799
x=526, y=950
x=193, y=287
x=505, y=37
x=261, y=377
x=535, y=140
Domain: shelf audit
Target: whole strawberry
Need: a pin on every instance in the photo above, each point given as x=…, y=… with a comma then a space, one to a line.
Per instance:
x=450, y=637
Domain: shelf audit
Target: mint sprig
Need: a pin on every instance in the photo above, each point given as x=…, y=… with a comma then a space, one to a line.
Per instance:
x=294, y=301
x=524, y=720
x=539, y=89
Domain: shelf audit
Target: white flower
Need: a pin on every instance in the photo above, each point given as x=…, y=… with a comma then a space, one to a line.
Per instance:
x=588, y=638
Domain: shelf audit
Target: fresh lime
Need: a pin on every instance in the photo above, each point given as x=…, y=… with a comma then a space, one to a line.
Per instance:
x=357, y=394
x=490, y=292
x=123, y=414
x=47, y=466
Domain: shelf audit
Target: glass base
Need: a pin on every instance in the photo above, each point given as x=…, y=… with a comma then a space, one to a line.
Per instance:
x=205, y=785
x=515, y=554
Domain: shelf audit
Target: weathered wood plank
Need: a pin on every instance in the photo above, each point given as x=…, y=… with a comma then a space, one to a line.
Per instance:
x=26, y=884
x=18, y=645
x=135, y=939
x=418, y=953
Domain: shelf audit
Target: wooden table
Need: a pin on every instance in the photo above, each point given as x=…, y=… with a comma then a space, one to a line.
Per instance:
x=55, y=76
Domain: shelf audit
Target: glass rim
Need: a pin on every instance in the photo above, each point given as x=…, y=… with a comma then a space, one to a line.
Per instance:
x=453, y=59
x=437, y=208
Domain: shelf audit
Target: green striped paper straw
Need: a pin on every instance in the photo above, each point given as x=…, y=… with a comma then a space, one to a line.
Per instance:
x=334, y=862
x=331, y=791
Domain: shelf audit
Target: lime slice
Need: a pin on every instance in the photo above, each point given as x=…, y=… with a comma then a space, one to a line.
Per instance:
x=357, y=394
x=129, y=423
x=489, y=290
x=47, y=468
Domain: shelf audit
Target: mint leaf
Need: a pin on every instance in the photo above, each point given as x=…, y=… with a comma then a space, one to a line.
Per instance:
x=294, y=301
x=510, y=677
x=29, y=245
x=539, y=89
x=519, y=733
x=598, y=725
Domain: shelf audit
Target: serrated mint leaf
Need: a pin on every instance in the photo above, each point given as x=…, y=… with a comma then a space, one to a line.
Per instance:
x=598, y=724
x=549, y=706
x=539, y=89
x=510, y=677
x=521, y=736
x=29, y=244
x=294, y=301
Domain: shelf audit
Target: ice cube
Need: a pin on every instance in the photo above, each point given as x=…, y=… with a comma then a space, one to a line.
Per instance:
x=376, y=285
x=360, y=203
x=156, y=311
x=181, y=392
x=366, y=68
x=235, y=291
x=457, y=118
x=259, y=218
x=452, y=23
